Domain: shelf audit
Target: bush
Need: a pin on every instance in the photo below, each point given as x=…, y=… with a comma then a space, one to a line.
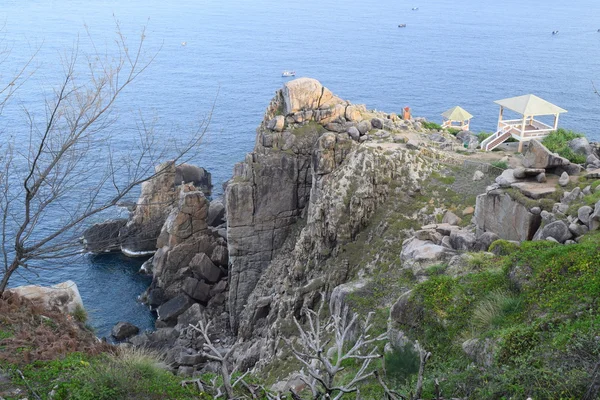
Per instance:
x=453, y=131
x=483, y=135
x=557, y=142
x=500, y=164
x=503, y=247
x=431, y=126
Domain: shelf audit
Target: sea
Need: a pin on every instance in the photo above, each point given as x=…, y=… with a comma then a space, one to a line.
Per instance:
x=224, y=59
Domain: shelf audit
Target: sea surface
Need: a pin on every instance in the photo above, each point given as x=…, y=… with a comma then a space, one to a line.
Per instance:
x=227, y=56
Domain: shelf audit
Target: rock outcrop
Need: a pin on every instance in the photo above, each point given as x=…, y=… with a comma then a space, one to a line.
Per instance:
x=63, y=297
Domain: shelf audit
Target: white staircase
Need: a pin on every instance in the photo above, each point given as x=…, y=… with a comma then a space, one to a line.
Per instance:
x=496, y=139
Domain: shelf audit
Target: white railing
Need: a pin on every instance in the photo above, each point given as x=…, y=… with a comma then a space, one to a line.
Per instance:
x=503, y=131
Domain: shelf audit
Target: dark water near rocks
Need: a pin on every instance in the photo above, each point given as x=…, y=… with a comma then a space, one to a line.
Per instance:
x=466, y=53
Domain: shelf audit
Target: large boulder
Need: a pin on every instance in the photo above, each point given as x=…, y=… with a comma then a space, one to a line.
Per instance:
x=557, y=230
x=417, y=252
x=174, y=308
x=538, y=156
x=306, y=94
x=469, y=139
x=581, y=146
x=103, y=237
x=485, y=240
x=509, y=219
x=197, y=176
x=203, y=268
x=124, y=330
x=462, y=240
x=216, y=213
x=63, y=297
x=407, y=311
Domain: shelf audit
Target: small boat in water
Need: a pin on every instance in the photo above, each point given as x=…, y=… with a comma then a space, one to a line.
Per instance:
x=415, y=8
x=555, y=32
x=402, y=26
x=288, y=73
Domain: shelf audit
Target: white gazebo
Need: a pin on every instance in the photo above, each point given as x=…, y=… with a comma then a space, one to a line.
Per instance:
x=526, y=128
x=457, y=118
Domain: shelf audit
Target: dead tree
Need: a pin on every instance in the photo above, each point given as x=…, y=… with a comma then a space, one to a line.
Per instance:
x=323, y=348
x=68, y=154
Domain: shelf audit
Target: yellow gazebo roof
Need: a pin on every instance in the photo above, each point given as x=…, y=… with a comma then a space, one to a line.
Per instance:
x=530, y=105
x=457, y=114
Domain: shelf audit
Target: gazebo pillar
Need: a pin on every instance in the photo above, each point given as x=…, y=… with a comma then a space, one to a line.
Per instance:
x=555, y=121
x=500, y=116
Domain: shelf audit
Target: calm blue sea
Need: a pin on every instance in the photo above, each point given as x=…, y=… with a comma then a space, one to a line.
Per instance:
x=467, y=53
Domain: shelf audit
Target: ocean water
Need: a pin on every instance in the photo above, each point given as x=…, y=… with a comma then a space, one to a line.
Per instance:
x=466, y=53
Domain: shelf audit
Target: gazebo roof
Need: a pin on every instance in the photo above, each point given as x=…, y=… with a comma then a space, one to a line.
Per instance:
x=530, y=105
x=457, y=114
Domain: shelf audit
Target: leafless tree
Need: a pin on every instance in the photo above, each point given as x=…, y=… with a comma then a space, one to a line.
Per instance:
x=64, y=170
x=323, y=348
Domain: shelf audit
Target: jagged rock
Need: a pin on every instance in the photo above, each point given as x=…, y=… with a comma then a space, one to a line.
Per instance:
x=584, y=214
x=557, y=230
x=536, y=210
x=485, y=240
x=541, y=177
x=277, y=124
x=429, y=234
x=468, y=211
x=203, y=268
x=446, y=243
x=560, y=208
x=412, y=144
x=63, y=297
x=186, y=219
x=592, y=159
x=190, y=316
x=451, y=218
x=571, y=169
x=468, y=138
x=364, y=127
x=353, y=113
x=578, y=230
x=509, y=219
x=219, y=256
x=538, y=156
x=191, y=358
x=564, y=179
x=174, y=307
x=415, y=251
x=103, y=237
x=547, y=217
x=124, y=330
x=462, y=240
x=569, y=197
x=587, y=190
x=306, y=93
x=216, y=213
x=478, y=175
x=220, y=287
x=196, y=289
x=354, y=133
x=580, y=146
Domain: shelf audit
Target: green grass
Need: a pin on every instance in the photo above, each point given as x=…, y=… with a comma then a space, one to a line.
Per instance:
x=80, y=314
x=453, y=131
x=431, y=126
x=557, y=142
x=500, y=164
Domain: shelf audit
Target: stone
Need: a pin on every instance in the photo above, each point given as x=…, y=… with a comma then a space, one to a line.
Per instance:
x=571, y=169
x=216, y=213
x=407, y=311
x=468, y=139
x=506, y=217
x=538, y=156
x=580, y=146
x=564, y=179
x=484, y=241
x=468, y=211
x=446, y=243
x=103, y=237
x=341, y=292
x=534, y=190
x=63, y=297
x=415, y=251
x=203, y=268
x=578, y=230
x=547, y=217
x=306, y=93
x=506, y=179
x=354, y=133
x=277, y=124
x=462, y=240
x=557, y=230
x=594, y=220
x=519, y=173
x=560, y=208
x=592, y=159
x=584, y=213
x=522, y=173
x=124, y=330
x=541, y=177
x=536, y=210
x=377, y=123
x=220, y=287
x=174, y=307
x=482, y=351
x=364, y=127
x=190, y=316
x=192, y=174
x=451, y=218
x=587, y=190
x=196, y=289
x=220, y=256
x=569, y=197
x=478, y=175
x=412, y=144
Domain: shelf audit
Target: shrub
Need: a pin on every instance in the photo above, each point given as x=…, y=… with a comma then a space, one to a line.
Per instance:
x=80, y=314
x=500, y=164
x=401, y=363
x=483, y=135
x=431, y=126
x=453, y=131
x=557, y=142
x=503, y=247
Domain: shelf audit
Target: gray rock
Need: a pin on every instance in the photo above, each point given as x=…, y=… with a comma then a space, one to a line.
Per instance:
x=190, y=316
x=124, y=330
x=564, y=179
x=377, y=123
x=446, y=243
x=197, y=290
x=569, y=197
x=536, y=210
x=451, y=218
x=203, y=268
x=571, y=169
x=485, y=240
x=541, y=177
x=587, y=190
x=592, y=159
x=216, y=213
x=584, y=214
x=468, y=138
x=547, y=217
x=462, y=240
x=538, y=156
x=277, y=123
x=415, y=251
x=220, y=256
x=580, y=146
x=509, y=219
x=578, y=230
x=407, y=311
x=174, y=307
x=198, y=176
x=482, y=351
x=412, y=144
x=354, y=133
x=103, y=237
x=364, y=127
x=506, y=179
x=594, y=220
x=478, y=175
x=557, y=230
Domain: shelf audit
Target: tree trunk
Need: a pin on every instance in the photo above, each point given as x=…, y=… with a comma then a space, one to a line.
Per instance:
x=7, y=274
